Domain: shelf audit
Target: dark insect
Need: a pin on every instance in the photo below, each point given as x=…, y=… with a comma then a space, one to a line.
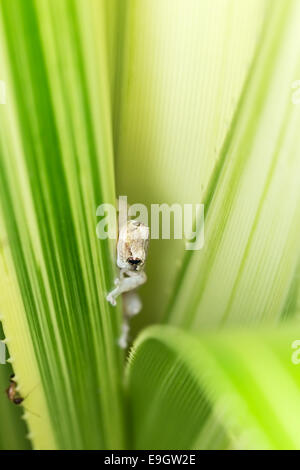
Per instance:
x=12, y=393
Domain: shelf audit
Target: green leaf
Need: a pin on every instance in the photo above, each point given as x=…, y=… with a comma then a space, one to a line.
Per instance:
x=251, y=253
x=12, y=429
x=184, y=67
x=237, y=390
x=206, y=116
x=56, y=167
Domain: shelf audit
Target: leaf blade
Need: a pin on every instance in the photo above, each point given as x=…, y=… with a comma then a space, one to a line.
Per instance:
x=200, y=391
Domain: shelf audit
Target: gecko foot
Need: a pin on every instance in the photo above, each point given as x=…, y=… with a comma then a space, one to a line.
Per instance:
x=110, y=298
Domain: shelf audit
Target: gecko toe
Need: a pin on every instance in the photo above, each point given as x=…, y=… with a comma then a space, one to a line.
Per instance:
x=111, y=300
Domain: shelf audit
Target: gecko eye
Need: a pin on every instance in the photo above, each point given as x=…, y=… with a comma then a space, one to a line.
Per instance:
x=134, y=261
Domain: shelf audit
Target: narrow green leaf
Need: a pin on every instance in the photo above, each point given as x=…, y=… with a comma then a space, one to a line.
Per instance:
x=56, y=167
x=252, y=224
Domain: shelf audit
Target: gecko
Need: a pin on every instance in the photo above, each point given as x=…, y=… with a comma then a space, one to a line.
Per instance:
x=132, y=249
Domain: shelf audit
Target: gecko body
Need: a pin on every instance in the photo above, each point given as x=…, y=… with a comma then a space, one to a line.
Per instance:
x=132, y=251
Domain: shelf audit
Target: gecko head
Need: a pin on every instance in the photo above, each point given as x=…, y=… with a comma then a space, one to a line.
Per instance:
x=137, y=245
x=132, y=246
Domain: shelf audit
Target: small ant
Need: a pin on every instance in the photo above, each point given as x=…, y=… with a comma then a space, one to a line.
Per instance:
x=14, y=396
x=12, y=393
